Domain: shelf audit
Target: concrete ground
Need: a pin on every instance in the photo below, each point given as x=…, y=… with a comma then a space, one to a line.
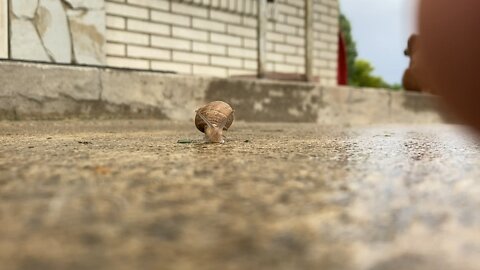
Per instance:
x=126, y=195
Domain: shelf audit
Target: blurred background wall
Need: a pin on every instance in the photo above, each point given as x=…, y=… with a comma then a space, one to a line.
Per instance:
x=200, y=37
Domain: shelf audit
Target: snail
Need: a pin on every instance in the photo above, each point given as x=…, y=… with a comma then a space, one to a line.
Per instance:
x=212, y=119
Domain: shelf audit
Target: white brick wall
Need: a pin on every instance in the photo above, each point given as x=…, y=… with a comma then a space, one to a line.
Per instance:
x=127, y=10
x=209, y=48
x=147, y=53
x=114, y=22
x=154, y=4
x=173, y=35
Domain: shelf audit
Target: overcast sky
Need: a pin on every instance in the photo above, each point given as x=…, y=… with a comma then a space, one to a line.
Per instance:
x=381, y=29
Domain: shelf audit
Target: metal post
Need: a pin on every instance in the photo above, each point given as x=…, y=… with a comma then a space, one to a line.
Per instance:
x=309, y=40
x=261, y=37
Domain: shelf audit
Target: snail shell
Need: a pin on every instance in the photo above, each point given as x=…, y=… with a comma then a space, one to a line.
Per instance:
x=213, y=118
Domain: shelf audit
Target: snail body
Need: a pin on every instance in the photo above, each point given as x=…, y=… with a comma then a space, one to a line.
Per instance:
x=214, y=118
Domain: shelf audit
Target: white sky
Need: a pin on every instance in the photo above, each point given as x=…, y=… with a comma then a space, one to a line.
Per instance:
x=381, y=29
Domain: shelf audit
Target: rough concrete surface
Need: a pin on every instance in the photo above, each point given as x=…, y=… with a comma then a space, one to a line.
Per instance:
x=126, y=195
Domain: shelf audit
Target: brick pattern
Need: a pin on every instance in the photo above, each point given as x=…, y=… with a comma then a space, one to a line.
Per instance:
x=246, y=7
x=173, y=35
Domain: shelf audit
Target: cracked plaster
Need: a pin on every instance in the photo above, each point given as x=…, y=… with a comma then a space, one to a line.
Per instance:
x=60, y=31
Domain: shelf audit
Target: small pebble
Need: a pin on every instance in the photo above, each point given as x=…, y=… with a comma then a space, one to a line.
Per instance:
x=84, y=142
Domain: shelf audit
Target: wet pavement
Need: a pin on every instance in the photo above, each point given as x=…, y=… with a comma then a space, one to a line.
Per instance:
x=126, y=195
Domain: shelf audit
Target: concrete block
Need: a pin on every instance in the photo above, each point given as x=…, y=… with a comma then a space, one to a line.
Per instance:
x=287, y=9
x=294, y=20
x=226, y=61
x=320, y=8
x=147, y=53
x=194, y=11
x=242, y=31
x=209, y=48
x=239, y=72
x=148, y=27
x=116, y=49
x=250, y=43
x=190, y=34
x=209, y=25
x=408, y=107
x=171, y=66
x=123, y=62
x=327, y=55
x=320, y=27
x=170, y=18
x=126, y=10
x=170, y=43
x=328, y=37
x=298, y=60
x=278, y=37
x=275, y=57
x=294, y=40
x=116, y=22
x=267, y=101
x=330, y=20
x=49, y=81
x=148, y=93
x=41, y=92
x=242, y=53
x=190, y=57
x=154, y=4
x=249, y=21
x=209, y=71
x=127, y=37
x=334, y=106
x=367, y=106
x=282, y=48
x=52, y=91
x=225, y=16
x=225, y=39
x=278, y=67
x=249, y=64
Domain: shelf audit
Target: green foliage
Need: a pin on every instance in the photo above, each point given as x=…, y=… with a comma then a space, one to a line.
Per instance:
x=395, y=87
x=363, y=77
x=360, y=71
x=352, y=53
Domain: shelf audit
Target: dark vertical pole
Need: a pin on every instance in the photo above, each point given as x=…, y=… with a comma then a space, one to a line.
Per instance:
x=309, y=40
x=261, y=37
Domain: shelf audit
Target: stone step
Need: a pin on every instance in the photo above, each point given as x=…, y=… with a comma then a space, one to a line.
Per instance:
x=45, y=91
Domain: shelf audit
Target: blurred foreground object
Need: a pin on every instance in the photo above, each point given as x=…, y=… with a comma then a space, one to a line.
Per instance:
x=413, y=79
x=342, y=66
x=450, y=45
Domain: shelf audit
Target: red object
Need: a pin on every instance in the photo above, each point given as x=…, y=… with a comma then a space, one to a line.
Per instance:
x=342, y=68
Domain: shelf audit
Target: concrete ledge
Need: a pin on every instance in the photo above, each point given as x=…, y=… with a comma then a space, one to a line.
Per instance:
x=37, y=91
